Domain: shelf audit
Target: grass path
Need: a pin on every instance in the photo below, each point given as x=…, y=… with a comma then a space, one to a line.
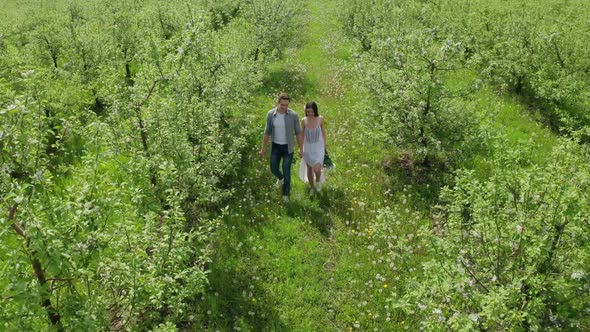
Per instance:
x=324, y=263
x=276, y=266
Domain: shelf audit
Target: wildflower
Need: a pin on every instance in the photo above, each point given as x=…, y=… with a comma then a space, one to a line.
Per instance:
x=474, y=316
x=10, y=107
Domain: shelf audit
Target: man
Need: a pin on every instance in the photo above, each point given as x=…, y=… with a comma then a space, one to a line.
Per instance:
x=282, y=127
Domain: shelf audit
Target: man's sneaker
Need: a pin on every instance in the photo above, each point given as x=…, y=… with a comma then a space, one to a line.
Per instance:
x=310, y=191
x=318, y=187
x=286, y=199
x=280, y=182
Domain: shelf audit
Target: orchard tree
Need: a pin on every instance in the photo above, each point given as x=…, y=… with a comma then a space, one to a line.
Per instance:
x=108, y=213
x=406, y=72
x=509, y=252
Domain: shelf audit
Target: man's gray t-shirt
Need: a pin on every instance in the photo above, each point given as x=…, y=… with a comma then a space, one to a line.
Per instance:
x=292, y=126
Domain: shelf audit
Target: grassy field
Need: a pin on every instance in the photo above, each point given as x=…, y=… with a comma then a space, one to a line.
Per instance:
x=341, y=260
x=319, y=263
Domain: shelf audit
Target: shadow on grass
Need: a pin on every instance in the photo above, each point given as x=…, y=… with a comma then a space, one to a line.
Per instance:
x=235, y=301
x=312, y=215
x=236, y=298
x=319, y=213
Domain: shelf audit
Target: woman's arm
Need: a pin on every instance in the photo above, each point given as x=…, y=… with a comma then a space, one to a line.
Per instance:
x=301, y=136
x=324, y=134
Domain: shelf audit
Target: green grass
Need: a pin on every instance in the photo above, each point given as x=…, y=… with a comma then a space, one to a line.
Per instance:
x=510, y=126
x=328, y=262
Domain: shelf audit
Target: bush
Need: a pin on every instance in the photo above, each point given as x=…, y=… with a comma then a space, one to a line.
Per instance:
x=510, y=252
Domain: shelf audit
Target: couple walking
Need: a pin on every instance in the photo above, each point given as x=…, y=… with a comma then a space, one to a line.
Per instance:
x=282, y=129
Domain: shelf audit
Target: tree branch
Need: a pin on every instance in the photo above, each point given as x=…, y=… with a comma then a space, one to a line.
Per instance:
x=473, y=276
x=16, y=226
x=54, y=316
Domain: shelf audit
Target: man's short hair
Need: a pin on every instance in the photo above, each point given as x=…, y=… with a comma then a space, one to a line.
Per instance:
x=283, y=96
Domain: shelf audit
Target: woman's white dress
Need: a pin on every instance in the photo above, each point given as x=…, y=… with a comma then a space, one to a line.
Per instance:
x=313, y=151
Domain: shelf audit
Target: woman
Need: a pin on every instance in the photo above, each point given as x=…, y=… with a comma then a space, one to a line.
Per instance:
x=314, y=146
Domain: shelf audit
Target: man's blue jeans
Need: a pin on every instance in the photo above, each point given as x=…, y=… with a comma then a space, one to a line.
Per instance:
x=277, y=152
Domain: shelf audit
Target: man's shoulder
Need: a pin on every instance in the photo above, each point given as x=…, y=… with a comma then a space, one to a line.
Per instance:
x=292, y=112
x=270, y=113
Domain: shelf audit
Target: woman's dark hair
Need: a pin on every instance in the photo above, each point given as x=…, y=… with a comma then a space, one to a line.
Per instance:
x=313, y=106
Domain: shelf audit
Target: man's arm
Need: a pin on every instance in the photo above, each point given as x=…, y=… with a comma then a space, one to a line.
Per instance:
x=265, y=137
x=265, y=140
x=300, y=143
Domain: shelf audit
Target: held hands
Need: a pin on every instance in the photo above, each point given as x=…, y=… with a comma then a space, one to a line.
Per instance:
x=301, y=152
x=263, y=153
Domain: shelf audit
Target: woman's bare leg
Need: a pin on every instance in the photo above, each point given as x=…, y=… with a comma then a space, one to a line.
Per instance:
x=318, y=173
x=310, y=176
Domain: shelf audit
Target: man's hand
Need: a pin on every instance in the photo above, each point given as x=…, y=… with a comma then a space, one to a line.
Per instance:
x=263, y=153
x=301, y=152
